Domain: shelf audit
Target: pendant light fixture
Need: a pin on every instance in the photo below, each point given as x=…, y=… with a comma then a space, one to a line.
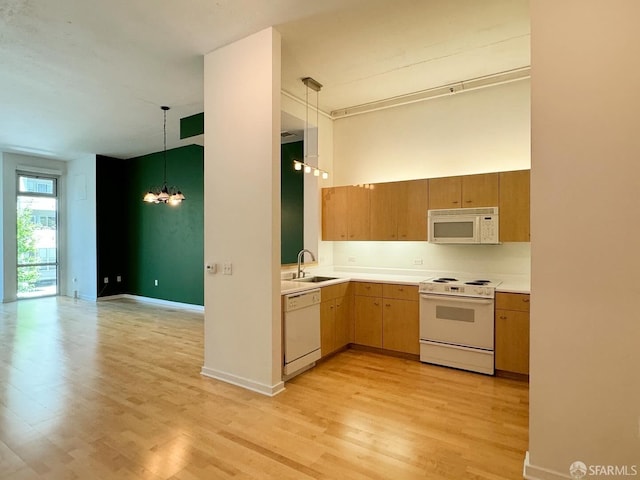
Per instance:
x=165, y=194
x=312, y=84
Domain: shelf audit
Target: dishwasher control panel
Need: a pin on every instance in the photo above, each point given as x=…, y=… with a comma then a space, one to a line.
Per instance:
x=296, y=301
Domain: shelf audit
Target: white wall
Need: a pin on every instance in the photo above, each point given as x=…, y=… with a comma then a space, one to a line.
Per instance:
x=480, y=131
x=495, y=260
x=486, y=130
x=81, y=259
x=11, y=163
x=585, y=326
x=243, y=331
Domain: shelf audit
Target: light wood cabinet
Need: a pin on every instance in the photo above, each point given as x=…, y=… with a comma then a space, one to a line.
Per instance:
x=400, y=325
x=335, y=213
x=345, y=213
x=512, y=332
x=398, y=210
x=480, y=190
x=412, y=214
x=327, y=327
x=466, y=191
x=387, y=316
x=368, y=321
x=335, y=318
x=445, y=192
x=385, y=201
x=367, y=289
x=515, y=206
x=358, y=212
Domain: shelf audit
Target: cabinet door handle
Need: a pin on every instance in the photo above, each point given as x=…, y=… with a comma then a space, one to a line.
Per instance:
x=525, y=300
x=387, y=304
x=502, y=317
x=401, y=289
x=376, y=303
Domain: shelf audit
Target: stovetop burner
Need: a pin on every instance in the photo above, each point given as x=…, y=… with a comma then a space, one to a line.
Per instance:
x=468, y=287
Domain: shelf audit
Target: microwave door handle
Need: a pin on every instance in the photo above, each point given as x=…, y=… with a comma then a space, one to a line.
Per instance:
x=457, y=299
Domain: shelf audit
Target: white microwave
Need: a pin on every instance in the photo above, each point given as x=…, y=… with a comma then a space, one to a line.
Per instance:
x=464, y=226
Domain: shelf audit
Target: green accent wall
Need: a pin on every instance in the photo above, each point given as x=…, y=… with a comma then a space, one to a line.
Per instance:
x=144, y=242
x=167, y=242
x=155, y=241
x=192, y=126
x=292, y=202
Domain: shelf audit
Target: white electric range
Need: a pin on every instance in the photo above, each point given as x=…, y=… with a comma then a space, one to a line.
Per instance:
x=457, y=322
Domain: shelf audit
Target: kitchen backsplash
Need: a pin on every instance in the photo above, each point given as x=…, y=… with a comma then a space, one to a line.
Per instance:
x=508, y=258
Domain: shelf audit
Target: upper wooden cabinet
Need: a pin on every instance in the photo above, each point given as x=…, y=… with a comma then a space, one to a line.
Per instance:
x=358, y=212
x=399, y=210
x=445, y=192
x=334, y=213
x=385, y=200
x=514, y=206
x=412, y=215
x=480, y=190
x=345, y=213
x=466, y=191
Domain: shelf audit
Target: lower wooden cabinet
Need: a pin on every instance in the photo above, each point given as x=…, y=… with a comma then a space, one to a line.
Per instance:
x=368, y=321
x=400, y=325
x=512, y=333
x=387, y=316
x=336, y=324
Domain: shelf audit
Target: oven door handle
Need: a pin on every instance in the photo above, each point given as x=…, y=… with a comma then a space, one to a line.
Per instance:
x=452, y=298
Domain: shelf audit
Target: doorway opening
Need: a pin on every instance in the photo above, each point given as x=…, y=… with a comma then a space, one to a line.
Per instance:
x=37, y=236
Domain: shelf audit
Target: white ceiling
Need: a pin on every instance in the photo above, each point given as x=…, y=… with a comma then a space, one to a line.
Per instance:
x=88, y=76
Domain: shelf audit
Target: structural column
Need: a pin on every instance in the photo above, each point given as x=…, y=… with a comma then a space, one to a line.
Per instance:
x=243, y=331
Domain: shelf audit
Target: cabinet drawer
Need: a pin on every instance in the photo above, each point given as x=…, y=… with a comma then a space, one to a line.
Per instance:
x=401, y=292
x=512, y=301
x=367, y=289
x=334, y=291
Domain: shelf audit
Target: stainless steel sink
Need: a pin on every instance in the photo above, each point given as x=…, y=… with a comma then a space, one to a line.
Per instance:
x=315, y=279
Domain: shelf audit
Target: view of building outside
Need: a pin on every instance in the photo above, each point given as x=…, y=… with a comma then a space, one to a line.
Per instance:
x=37, y=237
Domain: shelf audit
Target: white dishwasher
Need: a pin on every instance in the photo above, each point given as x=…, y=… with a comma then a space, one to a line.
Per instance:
x=301, y=332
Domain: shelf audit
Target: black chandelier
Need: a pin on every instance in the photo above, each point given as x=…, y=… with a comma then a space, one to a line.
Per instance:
x=165, y=194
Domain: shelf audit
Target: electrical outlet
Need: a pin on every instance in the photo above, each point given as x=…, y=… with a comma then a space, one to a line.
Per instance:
x=351, y=259
x=155, y=283
x=417, y=261
x=106, y=279
x=119, y=278
x=227, y=268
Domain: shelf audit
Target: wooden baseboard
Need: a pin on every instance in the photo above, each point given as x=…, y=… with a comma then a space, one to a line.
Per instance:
x=512, y=375
x=382, y=351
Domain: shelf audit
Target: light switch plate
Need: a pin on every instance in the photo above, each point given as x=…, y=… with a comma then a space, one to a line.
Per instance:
x=227, y=268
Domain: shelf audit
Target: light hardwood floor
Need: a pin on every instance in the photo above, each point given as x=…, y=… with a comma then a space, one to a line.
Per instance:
x=112, y=390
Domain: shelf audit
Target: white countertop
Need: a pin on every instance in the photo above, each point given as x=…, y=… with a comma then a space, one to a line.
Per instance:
x=510, y=283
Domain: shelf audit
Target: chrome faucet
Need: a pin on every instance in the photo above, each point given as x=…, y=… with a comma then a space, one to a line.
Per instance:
x=300, y=255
